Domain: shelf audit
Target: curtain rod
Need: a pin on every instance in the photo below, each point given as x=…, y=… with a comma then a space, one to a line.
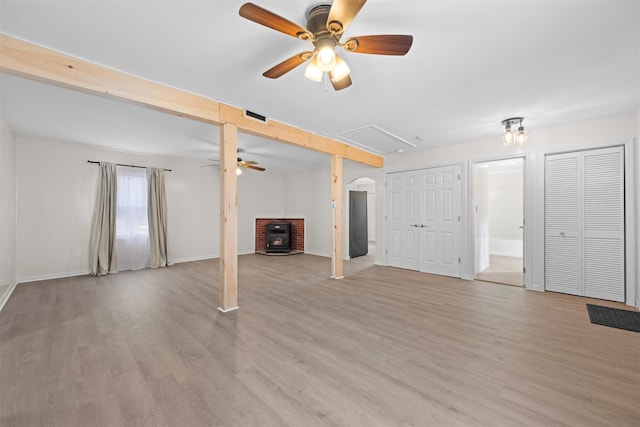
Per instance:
x=129, y=166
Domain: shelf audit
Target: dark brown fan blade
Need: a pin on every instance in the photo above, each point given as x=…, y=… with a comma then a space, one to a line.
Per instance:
x=390, y=44
x=269, y=19
x=287, y=65
x=342, y=13
x=258, y=168
x=343, y=83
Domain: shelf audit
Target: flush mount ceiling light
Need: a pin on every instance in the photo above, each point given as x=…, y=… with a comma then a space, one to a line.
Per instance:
x=510, y=137
x=324, y=27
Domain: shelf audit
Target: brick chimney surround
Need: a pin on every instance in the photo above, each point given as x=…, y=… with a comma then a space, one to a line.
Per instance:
x=297, y=234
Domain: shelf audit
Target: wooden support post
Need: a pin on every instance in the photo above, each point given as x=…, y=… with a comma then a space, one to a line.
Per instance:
x=228, y=218
x=336, y=207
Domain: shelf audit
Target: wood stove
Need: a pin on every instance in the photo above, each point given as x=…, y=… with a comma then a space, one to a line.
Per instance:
x=278, y=237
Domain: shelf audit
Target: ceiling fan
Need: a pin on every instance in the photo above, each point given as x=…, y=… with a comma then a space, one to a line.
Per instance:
x=324, y=28
x=248, y=164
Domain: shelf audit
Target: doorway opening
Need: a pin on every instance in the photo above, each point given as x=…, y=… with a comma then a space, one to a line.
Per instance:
x=499, y=221
x=361, y=235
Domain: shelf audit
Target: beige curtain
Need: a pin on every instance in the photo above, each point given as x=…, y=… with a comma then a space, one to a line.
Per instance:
x=103, y=231
x=157, y=211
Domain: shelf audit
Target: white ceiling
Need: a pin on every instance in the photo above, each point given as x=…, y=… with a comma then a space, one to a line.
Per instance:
x=472, y=64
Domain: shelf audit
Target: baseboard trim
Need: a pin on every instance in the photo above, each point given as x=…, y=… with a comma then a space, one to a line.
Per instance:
x=195, y=258
x=228, y=309
x=5, y=297
x=53, y=276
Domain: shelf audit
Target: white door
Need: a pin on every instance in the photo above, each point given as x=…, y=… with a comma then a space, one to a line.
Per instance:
x=439, y=220
x=584, y=204
x=563, y=195
x=402, y=218
x=603, y=224
x=423, y=220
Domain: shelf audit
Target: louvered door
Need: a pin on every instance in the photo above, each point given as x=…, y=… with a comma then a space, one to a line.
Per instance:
x=584, y=214
x=603, y=224
x=563, y=196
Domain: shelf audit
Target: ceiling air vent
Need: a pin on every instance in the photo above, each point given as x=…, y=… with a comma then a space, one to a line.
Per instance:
x=255, y=116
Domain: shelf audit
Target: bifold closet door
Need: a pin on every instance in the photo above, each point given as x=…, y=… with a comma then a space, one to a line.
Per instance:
x=603, y=224
x=584, y=214
x=563, y=195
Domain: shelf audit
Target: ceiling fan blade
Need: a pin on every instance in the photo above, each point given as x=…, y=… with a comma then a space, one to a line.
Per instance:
x=258, y=168
x=343, y=83
x=390, y=44
x=248, y=162
x=342, y=13
x=269, y=19
x=287, y=65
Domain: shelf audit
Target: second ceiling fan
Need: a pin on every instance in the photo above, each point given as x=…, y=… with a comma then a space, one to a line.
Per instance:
x=324, y=28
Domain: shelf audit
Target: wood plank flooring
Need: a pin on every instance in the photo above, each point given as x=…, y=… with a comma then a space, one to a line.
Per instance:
x=382, y=347
x=503, y=269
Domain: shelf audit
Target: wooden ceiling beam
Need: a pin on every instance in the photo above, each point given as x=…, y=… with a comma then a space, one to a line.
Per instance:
x=295, y=136
x=39, y=63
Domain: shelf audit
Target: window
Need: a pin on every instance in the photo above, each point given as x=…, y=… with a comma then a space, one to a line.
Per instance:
x=132, y=229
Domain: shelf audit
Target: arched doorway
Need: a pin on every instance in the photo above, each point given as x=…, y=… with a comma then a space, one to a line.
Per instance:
x=361, y=220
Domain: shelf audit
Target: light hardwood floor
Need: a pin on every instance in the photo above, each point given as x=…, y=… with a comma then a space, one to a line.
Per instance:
x=382, y=347
x=503, y=269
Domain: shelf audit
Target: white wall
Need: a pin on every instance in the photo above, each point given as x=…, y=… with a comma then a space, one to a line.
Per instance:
x=56, y=193
x=7, y=210
x=260, y=195
x=351, y=172
x=482, y=234
x=308, y=195
x=601, y=132
x=505, y=212
x=636, y=170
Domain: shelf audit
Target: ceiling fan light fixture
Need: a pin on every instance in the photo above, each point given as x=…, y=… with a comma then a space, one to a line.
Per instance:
x=325, y=24
x=326, y=54
x=313, y=72
x=507, y=138
x=521, y=138
x=238, y=171
x=510, y=137
x=340, y=70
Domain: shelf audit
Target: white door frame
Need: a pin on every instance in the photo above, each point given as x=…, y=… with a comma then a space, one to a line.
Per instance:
x=473, y=218
x=465, y=206
x=632, y=282
x=526, y=214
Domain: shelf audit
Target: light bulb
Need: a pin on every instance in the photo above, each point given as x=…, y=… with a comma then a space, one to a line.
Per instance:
x=340, y=71
x=508, y=136
x=522, y=136
x=313, y=72
x=238, y=171
x=326, y=54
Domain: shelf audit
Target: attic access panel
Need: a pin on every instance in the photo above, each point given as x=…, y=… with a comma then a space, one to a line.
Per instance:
x=376, y=139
